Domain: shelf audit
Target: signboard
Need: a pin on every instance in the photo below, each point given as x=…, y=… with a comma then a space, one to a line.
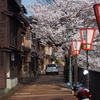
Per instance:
x=97, y=14
x=12, y=57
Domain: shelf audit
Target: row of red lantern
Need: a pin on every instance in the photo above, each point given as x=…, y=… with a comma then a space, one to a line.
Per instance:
x=87, y=37
x=86, y=34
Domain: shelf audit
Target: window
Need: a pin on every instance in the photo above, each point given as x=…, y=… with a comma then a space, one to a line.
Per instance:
x=51, y=65
x=13, y=32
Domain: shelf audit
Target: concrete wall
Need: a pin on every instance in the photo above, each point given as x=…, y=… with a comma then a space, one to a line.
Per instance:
x=11, y=83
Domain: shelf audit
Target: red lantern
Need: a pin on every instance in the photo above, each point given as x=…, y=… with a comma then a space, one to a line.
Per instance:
x=87, y=36
x=97, y=14
x=76, y=45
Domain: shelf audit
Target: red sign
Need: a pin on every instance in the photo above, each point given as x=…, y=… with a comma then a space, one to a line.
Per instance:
x=97, y=14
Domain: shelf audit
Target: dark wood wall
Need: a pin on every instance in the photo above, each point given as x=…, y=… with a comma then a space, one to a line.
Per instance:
x=3, y=42
x=3, y=22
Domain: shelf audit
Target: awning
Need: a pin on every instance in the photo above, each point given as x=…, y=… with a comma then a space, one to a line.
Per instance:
x=11, y=14
x=23, y=18
x=8, y=49
x=22, y=55
x=34, y=55
x=26, y=49
x=8, y=13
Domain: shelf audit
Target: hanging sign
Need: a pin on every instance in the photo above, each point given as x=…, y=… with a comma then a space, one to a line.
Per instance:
x=12, y=57
x=97, y=14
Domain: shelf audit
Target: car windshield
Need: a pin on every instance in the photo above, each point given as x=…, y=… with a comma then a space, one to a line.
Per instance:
x=51, y=65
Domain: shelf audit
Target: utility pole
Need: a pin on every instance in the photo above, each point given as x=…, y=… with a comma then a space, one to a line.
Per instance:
x=75, y=69
x=69, y=29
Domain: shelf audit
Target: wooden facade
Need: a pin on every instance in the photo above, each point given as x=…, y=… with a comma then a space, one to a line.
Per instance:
x=13, y=28
x=48, y=53
x=20, y=55
x=9, y=41
x=3, y=41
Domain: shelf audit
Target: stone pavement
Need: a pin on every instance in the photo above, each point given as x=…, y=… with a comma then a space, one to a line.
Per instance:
x=41, y=87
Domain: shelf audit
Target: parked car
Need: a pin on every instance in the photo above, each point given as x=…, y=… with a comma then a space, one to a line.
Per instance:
x=52, y=68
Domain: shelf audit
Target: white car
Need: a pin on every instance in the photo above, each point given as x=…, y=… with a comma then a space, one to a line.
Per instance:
x=52, y=68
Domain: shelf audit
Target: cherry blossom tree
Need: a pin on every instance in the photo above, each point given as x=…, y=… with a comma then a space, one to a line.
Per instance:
x=59, y=21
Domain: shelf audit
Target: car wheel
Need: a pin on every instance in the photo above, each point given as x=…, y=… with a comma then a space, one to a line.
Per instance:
x=46, y=73
x=57, y=73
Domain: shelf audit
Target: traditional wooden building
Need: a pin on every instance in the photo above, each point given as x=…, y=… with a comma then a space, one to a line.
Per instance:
x=15, y=42
x=21, y=54
x=49, y=54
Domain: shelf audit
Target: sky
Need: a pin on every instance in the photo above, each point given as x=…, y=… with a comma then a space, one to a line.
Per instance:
x=25, y=2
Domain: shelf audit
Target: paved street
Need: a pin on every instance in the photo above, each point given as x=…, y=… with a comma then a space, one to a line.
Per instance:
x=41, y=87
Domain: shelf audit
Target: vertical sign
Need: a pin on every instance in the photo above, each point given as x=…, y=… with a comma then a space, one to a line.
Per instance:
x=97, y=14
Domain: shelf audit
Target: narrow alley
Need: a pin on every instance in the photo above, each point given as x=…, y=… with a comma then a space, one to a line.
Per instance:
x=41, y=87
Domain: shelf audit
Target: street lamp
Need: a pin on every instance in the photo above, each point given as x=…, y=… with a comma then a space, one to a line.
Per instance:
x=87, y=36
x=69, y=29
x=76, y=47
x=97, y=14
